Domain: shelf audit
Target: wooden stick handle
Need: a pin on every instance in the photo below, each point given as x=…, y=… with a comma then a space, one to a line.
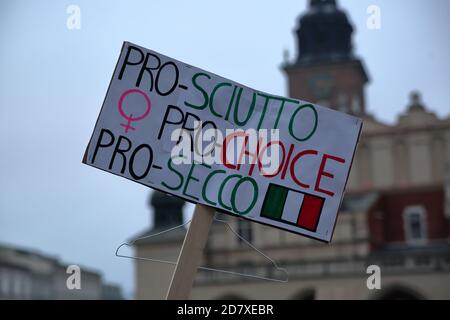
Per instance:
x=191, y=253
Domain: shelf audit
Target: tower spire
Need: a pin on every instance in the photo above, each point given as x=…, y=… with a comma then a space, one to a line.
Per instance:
x=324, y=33
x=167, y=210
x=314, y=3
x=326, y=70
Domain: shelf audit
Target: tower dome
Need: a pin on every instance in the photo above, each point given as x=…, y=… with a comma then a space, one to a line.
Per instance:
x=167, y=210
x=324, y=34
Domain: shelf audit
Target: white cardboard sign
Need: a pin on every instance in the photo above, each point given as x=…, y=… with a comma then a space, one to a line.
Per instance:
x=151, y=95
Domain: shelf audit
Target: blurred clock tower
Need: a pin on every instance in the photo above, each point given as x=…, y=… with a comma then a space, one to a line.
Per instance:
x=325, y=70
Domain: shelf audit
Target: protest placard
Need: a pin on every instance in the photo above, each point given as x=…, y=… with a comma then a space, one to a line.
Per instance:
x=176, y=128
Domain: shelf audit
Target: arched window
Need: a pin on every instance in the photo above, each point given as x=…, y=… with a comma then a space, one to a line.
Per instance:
x=245, y=231
x=305, y=294
x=398, y=292
x=415, y=226
x=231, y=296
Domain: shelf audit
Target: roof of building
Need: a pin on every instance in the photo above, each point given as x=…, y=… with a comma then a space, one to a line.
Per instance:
x=359, y=202
x=159, y=235
x=34, y=260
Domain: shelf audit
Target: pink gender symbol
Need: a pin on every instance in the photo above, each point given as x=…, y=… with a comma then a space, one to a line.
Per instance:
x=130, y=118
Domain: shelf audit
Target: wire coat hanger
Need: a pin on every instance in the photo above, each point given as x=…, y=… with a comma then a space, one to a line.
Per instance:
x=253, y=276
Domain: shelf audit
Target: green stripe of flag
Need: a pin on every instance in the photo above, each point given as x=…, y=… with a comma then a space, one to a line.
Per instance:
x=274, y=202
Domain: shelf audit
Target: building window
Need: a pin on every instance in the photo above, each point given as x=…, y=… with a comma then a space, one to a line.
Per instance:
x=415, y=225
x=4, y=283
x=17, y=284
x=244, y=231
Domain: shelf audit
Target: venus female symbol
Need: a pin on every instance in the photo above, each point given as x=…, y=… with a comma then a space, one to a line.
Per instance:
x=129, y=117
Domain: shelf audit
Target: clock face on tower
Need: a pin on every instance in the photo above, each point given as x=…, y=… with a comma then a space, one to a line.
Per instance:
x=321, y=86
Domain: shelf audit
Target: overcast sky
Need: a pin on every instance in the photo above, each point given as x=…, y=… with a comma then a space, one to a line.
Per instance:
x=53, y=81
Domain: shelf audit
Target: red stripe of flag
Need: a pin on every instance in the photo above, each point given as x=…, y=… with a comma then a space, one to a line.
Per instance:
x=310, y=212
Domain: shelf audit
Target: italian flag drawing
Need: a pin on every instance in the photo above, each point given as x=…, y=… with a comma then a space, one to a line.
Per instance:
x=292, y=207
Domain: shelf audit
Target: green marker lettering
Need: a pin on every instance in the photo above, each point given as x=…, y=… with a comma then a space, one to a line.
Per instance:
x=237, y=105
x=211, y=98
x=221, y=190
x=204, y=93
x=169, y=164
x=188, y=179
x=205, y=185
x=255, y=195
x=310, y=106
